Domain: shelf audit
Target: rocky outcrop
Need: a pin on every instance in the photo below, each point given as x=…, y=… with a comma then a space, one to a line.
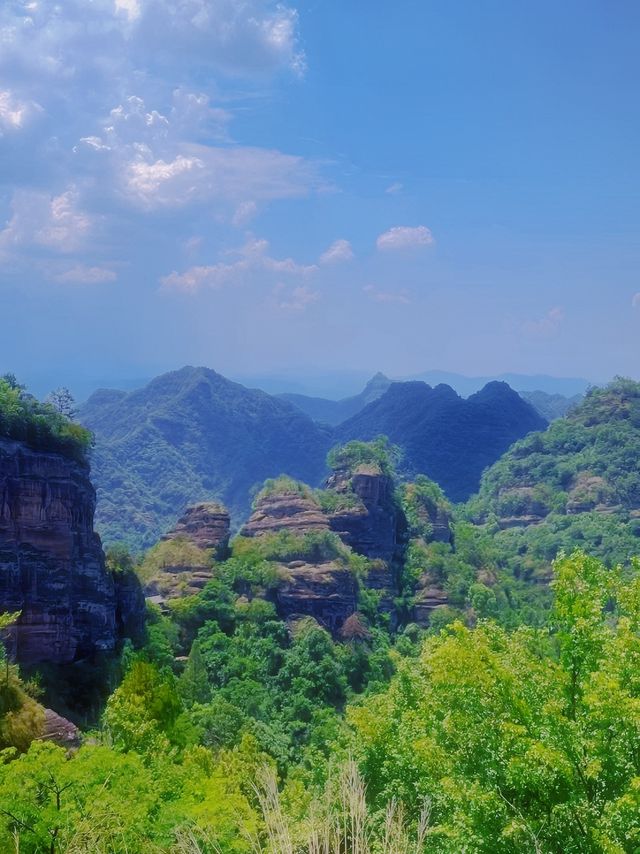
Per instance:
x=429, y=596
x=370, y=524
x=289, y=511
x=60, y=731
x=363, y=514
x=52, y=567
x=130, y=606
x=328, y=592
x=205, y=525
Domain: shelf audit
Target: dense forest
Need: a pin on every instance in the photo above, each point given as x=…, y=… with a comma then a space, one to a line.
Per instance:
x=496, y=714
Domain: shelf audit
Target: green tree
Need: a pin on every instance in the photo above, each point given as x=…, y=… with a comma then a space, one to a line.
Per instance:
x=193, y=684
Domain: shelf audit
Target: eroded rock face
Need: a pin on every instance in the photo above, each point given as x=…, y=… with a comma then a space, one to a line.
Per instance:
x=370, y=526
x=52, y=566
x=60, y=731
x=286, y=511
x=325, y=591
x=366, y=521
x=429, y=596
x=205, y=525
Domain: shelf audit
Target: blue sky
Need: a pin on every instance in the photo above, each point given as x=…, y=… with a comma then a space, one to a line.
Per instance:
x=264, y=187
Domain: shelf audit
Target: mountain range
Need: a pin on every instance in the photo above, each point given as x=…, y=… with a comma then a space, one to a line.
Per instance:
x=192, y=435
x=449, y=438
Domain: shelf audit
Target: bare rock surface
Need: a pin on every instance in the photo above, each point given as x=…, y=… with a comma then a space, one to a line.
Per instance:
x=325, y=591
x=205, y=525
x=52, y=567
x=286, y=511
x=60, y=731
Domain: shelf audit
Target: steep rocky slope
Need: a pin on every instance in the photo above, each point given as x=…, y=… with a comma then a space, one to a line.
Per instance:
x=52, y=568
x=448, y=438
x=206, y=525
x=181, y=564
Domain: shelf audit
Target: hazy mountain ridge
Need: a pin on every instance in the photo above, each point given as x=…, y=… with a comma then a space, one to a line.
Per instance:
x=449, y=438
x=334, y=412
x=549, y=405
x=193, y=435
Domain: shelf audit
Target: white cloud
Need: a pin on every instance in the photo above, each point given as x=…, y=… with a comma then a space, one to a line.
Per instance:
x=85, y=275
x=141, y=156
x=57, y=223
x=405, y=237
x=248, y=37
x=252, y=258
x=14, y=113
x=134, y=107
x=241, y=37
x=395, y=188
x=161, y=183
x=296, y=299
x=635, y=300
x=338, y=252
x=545, y=326
x=386, y=296
x=131, y=8
x=244, y=213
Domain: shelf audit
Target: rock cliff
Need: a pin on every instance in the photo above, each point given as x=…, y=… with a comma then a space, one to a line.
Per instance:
x=52, y=566
x=290, y=511
x=369, y=524
x=326, y=591
x=205, y=525
x=360, y=509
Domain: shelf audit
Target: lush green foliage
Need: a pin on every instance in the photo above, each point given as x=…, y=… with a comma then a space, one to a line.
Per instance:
x=588, y=458
x=489, y=740
x=378, y=455
x=40, y=425
x=576, y=484
x=283, y=485
x=522, y=741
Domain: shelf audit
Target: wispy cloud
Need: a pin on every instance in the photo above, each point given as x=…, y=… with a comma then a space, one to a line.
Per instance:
x=57, y=223
x=378, y=295
x=339, y=252
x=635, y=300
x=395, y=188
x=244, y=213
x=132, y=103
x=545, y=326
x=405, y=237
x=295, y=299
x=81, y=274
x=14, y=113
x=251, y=258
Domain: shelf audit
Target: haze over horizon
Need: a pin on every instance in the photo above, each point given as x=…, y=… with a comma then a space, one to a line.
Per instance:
x=258, y=186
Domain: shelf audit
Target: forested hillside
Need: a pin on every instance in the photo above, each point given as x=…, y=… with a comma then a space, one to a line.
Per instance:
x=365, y=668
x=192, y=435
x=448, y=438
x=576, y=483
x=187, y=436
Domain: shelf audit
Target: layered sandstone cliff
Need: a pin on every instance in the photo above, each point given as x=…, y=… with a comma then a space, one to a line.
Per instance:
x=205, y=525
x=357, y=506
x=52, y=567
